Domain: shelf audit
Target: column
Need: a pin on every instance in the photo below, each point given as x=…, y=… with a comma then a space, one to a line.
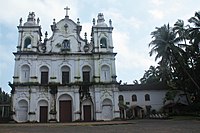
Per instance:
x=116, y=106
x=33, y=105
x=97, y=102
x=76, y=104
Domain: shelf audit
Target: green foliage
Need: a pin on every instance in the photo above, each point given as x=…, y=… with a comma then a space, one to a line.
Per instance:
x=4, y=97
x=178, y=55
x=170, y=95
x=151, y=76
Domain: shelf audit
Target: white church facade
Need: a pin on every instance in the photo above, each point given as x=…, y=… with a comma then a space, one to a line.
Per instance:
x=66, y=78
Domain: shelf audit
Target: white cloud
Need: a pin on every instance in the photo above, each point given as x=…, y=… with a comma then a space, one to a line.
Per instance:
x=157, y=2
x=46, y=10
x=129, y=58
x=6, y=65
x=122, y=20
x=86, y=27
x=157, y=14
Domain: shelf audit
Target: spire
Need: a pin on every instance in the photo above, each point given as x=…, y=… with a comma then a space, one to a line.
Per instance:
x=20, y=22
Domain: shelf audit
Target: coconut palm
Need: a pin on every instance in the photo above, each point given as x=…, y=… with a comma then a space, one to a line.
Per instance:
x=163, y=44
x=195, y=31
x=173, y=63
x=151, y=75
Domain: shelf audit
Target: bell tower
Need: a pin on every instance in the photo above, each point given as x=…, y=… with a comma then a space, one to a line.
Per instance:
x=29, y=34
x=102, y=35
x=104, y=57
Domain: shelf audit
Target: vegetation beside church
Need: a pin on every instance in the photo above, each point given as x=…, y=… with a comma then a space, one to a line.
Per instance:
x=4, y=97
x=5, y=101
x=177, y=50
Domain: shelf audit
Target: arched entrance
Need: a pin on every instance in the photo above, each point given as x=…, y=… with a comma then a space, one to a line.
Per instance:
x=43, y=111
x=107, y=109
x=65, y=108
x=87, y=108
x=22, y=111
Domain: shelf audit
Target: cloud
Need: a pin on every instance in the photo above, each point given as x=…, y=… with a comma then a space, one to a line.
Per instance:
x=157, y=2
x=86, y=27
x=6, y=65
x=46, y=10
x=121, y=20
x=130, y=58
x=156, y=14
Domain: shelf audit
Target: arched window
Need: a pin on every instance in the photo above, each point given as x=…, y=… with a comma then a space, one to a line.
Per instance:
x=105, y=73
x=147, y=97
x=86, y=73
x=44, y=75
x=25, y=73
x=27, y=43
x=134, y=98
x=65, y=74
x=103, y=42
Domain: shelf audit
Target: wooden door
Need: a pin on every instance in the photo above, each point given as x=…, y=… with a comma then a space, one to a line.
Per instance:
x=87, y=112
x=65, y=111
x=43, y=114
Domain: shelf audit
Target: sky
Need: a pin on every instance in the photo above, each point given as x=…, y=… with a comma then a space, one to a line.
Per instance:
x=133, y=21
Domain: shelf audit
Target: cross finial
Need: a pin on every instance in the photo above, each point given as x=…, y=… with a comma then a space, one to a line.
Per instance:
x=67, y=8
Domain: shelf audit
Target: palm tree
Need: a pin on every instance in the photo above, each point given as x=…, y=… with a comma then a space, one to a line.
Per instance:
x=163, y=45
x=194, y=49
x=151, y=75
x=181, y=30
x=194, y=31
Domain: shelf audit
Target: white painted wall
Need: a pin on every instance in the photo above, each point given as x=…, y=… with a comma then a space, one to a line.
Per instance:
x=156, y=98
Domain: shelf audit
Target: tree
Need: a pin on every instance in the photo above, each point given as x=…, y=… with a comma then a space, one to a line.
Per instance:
x=178, y=50
x=151, y=75
x=163, y=45
x=4, y=97
x=194, y=31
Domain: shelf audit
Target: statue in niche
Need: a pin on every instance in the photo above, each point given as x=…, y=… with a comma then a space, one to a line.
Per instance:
x=66, y=45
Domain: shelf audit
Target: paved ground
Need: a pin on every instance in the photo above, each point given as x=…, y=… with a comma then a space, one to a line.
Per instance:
x=135, y=126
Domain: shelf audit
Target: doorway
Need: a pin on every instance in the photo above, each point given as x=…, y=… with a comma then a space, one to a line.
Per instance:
x=87, y=113
x=65, y=111
x=43, y=114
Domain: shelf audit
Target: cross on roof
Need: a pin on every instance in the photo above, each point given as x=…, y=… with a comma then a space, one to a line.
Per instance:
x=67, y=8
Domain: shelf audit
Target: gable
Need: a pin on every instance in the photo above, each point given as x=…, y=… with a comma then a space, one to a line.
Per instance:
x=65, y=37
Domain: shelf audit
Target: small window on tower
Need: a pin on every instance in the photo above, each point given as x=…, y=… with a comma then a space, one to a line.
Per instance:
x=103, y=42
x=27, y=43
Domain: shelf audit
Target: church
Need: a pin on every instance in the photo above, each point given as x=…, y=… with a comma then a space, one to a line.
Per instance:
x=65, y=77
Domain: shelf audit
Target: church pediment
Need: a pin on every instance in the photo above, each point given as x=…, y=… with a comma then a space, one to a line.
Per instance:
x=65, y=37
x=65, y=26
x=64, y=43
